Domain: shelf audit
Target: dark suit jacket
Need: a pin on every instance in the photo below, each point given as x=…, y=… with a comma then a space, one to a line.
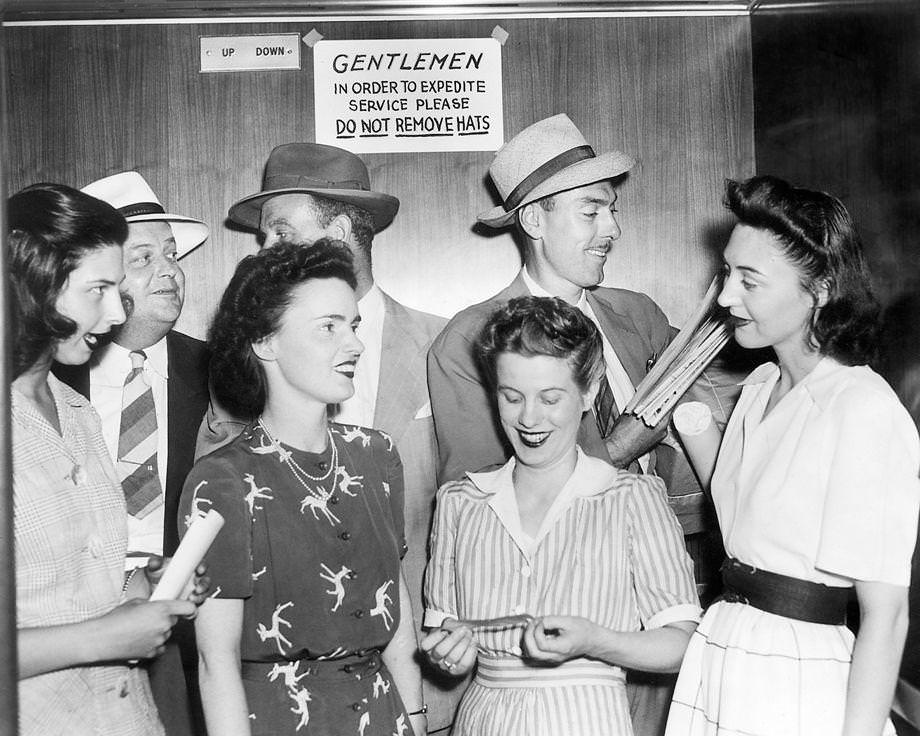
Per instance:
x=469, y=436
x=187, y=392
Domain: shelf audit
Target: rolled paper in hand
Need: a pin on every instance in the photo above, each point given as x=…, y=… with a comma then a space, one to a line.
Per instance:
x=188, y=556
x=700, y=437
x=501, y=623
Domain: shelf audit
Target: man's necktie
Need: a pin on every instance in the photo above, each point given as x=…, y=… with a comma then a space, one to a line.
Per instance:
x=137, y=442
x=605, y=408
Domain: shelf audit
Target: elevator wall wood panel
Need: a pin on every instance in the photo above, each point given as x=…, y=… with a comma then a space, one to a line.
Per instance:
x=676, y=93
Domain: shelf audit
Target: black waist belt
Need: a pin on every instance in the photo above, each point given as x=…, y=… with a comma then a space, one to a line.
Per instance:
x=785, y=596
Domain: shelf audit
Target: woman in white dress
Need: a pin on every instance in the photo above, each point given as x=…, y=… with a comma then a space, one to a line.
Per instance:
x=584, y=565
x=815, y=487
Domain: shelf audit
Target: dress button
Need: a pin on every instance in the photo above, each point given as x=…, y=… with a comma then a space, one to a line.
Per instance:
x=353, y=574
x=347, y=669
x=95, y=546
x=358, y=614
x=345, y=536
x=78, y=475
x=333, y=500
x=322, y=465
x=356, y=707
x=525, y=571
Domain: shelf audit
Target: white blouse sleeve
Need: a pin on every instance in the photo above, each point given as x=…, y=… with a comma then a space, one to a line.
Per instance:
x=869, y=525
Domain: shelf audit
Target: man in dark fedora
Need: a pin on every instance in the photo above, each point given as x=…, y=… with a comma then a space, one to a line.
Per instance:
x=561, y=196
x=150, y=388
x=311, y=191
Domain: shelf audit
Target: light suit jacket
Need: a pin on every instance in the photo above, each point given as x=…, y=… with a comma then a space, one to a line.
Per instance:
x=403, y=411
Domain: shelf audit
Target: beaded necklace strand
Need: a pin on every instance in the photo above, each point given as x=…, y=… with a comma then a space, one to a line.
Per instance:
x=298, y=472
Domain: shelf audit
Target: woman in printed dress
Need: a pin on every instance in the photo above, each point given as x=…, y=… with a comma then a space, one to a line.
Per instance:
x=556, y=572
x=308, y=630
x=815, y=487
x=80, y=622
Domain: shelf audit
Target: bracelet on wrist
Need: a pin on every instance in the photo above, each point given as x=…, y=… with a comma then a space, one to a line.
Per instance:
x=423, y=710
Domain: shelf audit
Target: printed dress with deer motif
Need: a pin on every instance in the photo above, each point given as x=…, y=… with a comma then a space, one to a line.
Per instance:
x=317, y=565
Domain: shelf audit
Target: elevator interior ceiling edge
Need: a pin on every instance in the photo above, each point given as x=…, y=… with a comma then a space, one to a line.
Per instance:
x=25, y=11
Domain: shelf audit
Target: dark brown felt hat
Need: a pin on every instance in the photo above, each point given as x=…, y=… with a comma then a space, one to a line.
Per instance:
x=324, y=171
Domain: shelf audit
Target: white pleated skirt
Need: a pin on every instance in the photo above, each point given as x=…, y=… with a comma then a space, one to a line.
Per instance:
x=752, y=673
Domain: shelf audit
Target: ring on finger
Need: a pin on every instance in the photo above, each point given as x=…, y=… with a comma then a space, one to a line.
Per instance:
x=449, y=665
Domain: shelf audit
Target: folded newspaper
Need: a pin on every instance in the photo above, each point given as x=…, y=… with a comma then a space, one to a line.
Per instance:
x=682, y=361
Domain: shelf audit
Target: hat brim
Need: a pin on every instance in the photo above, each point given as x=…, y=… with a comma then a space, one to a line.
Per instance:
x=188, y=232
x=383, y=207
x=605, y=166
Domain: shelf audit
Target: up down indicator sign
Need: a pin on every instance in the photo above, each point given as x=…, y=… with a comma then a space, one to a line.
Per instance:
x=250, y=53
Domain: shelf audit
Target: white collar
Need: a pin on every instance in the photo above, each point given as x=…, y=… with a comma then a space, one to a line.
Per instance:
x=372, y=299
x=590, y=477
x=818, y=383
x=112, y=362
x=536, y=290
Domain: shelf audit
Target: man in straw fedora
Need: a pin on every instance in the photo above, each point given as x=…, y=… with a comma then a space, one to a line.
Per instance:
x=560, y=195
x=171, y=370
x=311, y=191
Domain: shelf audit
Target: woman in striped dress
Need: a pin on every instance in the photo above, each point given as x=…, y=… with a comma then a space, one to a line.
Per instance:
x=815, y=486
x=555, y=572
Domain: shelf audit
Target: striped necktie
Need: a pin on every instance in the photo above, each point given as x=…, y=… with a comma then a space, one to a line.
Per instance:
x=137, y=442
x=605, y=408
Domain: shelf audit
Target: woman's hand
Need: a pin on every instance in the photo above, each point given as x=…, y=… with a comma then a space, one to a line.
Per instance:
x=557, y=639
x=195, y=590
x=451, y=648
x=137, y=629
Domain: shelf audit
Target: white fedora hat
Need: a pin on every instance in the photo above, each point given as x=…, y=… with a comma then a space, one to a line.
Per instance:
x=548, y=157
x=130, y=194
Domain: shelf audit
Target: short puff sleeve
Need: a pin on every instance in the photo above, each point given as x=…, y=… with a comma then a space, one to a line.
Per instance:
x=214, y=483
x=869, y=524
x=661, y=568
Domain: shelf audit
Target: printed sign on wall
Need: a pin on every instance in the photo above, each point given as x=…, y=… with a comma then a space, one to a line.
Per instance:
x=409, y=95
x=250, y=53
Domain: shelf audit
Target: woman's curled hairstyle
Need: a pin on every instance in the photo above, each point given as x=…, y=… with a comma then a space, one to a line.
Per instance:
x=536, y=325
x=51, y=227
x=816, y=233
x=252, y=308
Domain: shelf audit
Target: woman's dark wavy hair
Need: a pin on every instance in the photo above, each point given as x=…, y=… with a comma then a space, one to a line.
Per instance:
x=252, y=308
x=817, y=235
x=536, y=325
x=51, y=228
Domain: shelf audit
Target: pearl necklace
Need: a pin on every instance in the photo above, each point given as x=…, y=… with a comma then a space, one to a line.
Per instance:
x=298, y=472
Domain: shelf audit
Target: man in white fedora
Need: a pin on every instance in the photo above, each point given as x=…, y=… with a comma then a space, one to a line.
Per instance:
x=561, y=196
x=150, y=388
x=311, y=191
